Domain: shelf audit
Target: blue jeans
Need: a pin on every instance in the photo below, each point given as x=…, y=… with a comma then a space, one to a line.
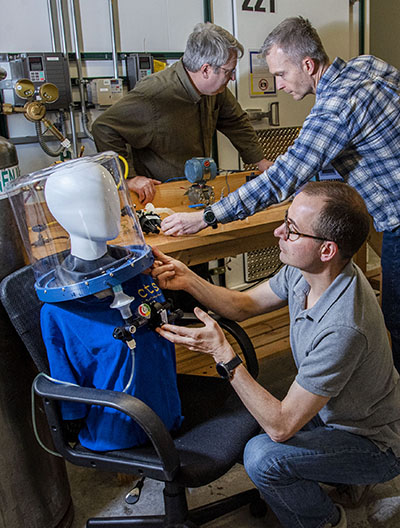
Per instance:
x=288, y=474
x=391, y=289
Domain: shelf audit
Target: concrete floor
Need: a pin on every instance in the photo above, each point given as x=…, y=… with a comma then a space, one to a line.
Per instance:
x=98, y=494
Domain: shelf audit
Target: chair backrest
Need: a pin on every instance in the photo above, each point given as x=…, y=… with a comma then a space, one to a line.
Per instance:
x=17, y=293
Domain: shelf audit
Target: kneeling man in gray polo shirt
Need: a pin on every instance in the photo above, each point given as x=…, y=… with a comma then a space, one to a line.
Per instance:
x=340, y=420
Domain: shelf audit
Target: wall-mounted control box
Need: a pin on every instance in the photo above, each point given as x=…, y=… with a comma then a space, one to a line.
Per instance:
x=138, y=66
x=39, y=68
x=104, y=92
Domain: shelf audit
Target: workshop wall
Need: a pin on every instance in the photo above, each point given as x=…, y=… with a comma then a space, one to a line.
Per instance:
x=383, y=30
x=337, y=24
x=157, y=26
x=163, y=26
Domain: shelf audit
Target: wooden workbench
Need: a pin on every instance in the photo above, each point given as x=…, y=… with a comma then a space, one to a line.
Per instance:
x=234, y=238
x=255, y=232
x=231, y=239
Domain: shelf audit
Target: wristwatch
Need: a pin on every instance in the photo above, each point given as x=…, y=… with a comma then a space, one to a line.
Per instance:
x=225, y=370
x=210, y=218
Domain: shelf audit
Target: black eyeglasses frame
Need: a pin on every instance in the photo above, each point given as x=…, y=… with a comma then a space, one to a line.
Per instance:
x=288, y=232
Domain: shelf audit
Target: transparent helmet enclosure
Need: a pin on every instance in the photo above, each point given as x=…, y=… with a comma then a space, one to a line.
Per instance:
x=79, y=229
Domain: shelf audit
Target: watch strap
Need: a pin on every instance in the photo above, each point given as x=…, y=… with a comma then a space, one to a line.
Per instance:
x=225, y=370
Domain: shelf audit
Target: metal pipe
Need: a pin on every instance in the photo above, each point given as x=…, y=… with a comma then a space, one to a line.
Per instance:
x=207, y=10
x=361, y=22
x=64, y=49
x=61, y=28
x=234, y=33
x=73, y=12
x=73, y=131
x=113, y=41
x=51, y=23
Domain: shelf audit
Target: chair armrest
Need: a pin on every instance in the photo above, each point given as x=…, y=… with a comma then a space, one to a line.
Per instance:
x=125, y=403
x=237, y=332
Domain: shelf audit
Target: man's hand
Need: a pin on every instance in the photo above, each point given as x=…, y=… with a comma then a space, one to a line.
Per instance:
x=264, y=165
x=171, y=274
x=183, y=224
x=143, y=187
x=209, y=339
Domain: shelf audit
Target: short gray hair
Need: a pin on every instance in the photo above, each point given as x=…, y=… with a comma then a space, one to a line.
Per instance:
x=298, y=39
x=211, y=44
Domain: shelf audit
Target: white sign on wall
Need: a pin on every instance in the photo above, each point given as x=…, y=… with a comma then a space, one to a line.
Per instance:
x=261, y=81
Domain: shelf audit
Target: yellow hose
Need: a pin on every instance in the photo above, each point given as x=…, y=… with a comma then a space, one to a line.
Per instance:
x=125, y=163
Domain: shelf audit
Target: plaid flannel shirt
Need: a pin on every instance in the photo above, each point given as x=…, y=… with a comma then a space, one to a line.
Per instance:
x=354, y=126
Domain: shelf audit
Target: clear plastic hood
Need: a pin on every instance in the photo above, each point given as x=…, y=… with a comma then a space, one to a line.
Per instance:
x=79, y=228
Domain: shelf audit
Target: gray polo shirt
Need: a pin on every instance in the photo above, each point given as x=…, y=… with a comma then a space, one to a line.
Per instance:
x=342, y=351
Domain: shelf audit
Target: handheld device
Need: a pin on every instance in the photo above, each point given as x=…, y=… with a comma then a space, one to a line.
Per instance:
x=153, y=314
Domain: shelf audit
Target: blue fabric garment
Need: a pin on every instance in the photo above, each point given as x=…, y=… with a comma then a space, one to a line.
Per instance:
x=354, y=126
x=288, y=474
x=81, y=349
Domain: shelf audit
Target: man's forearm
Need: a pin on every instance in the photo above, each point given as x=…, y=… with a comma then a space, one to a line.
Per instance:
x=279, y=419
x=227, y=303
x=264, y=407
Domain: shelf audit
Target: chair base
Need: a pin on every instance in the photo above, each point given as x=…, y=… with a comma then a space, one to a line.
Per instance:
x=193, y=519
x=209, y=512
x=151, y=521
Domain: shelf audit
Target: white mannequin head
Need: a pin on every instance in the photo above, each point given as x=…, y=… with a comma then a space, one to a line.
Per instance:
x=85, y=202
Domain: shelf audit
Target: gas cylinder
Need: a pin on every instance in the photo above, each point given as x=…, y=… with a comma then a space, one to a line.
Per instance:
x=11, y=252
x=34, y=488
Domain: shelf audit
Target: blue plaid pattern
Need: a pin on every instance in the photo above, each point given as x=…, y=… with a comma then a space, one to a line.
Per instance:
x=355, y=126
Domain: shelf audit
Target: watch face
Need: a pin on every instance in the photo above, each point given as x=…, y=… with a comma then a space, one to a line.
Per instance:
x=223, y=371
x=209, y=217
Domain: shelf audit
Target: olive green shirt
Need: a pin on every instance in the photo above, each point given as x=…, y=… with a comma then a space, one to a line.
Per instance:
x=164, y=122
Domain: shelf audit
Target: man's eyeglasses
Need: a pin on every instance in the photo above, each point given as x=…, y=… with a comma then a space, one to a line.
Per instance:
x=228, y=73
x=295, y=235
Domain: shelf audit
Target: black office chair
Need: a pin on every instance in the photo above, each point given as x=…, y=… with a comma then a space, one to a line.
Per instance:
x=210, y=441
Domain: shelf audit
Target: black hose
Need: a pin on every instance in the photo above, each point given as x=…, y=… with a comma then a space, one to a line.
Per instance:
x=43, y=144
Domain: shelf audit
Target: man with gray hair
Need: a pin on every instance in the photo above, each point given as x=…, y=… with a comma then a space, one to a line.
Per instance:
x=171, y=116
x=353, y=129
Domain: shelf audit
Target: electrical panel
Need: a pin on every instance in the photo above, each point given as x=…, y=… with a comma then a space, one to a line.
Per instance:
x=247, y=268
x=138, y=66
x=261, y=263
x=39, y=68
x=104, y=92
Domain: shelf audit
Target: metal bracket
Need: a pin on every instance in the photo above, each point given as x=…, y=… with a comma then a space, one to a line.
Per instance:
x=256, y=114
